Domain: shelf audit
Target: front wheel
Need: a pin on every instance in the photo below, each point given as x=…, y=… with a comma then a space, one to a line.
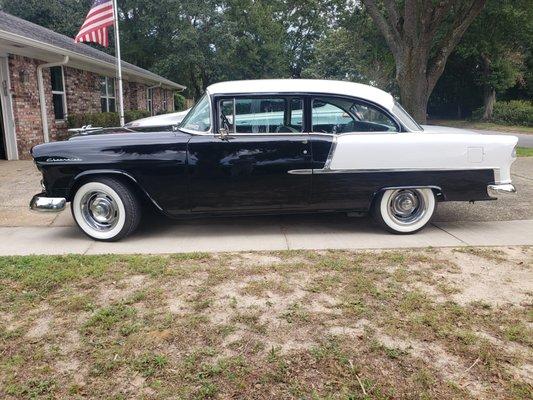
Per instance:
x=404, y=211
x=106, y=209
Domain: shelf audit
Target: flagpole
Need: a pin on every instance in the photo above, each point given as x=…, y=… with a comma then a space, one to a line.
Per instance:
x=119, y=64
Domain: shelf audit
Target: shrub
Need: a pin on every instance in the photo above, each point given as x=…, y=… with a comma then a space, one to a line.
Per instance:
x=180, y=103
x=104, y=119
x=514, y=112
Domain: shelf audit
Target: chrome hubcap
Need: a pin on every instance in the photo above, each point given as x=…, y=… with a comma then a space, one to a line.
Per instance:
x=406, y=206
x=99, y=210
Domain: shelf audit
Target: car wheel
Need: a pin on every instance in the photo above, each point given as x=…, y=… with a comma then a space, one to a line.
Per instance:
x=106, y=209
x=404, y=211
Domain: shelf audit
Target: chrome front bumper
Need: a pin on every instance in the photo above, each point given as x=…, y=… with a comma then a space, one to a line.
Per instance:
x=497, y=190
x=40, y=202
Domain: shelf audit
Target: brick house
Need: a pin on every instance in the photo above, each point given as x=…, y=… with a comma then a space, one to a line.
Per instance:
x=45, y=76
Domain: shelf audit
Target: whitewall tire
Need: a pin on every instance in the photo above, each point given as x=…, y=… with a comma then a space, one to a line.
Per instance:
x=404, y=211
x=106, y=209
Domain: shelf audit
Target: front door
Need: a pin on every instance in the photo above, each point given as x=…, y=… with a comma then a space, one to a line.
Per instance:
x=249, y=166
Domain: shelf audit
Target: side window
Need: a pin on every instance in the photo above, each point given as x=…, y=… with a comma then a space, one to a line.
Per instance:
x=328, y=117
x=59, y=99
x=261, y=115
x=199, y=118
x=338, y=115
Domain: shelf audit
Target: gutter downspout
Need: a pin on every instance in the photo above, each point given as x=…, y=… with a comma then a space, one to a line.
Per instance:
x=42, y=99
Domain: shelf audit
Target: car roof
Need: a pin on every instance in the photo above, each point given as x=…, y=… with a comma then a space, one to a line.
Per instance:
x=320, y=86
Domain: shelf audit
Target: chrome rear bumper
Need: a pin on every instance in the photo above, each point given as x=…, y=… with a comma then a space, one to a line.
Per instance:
x=500, y=189
x=40, y=202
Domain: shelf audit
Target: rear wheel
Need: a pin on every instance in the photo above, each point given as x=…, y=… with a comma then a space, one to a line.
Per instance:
x=106, y=209
x=404, y=211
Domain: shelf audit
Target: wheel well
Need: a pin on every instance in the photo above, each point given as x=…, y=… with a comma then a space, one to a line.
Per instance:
x=437, y=191
x=123, y=178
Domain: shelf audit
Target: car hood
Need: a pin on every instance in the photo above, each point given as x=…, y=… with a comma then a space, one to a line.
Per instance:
x=446, y=129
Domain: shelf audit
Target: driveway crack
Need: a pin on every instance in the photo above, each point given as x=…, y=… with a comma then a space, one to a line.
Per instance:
x=451, y=234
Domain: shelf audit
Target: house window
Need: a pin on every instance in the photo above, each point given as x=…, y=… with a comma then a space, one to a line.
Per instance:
x=59, y=99
x=150, y=101
x=107, y=94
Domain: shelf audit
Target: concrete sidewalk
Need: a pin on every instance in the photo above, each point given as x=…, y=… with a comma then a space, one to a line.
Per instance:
x=263, y=233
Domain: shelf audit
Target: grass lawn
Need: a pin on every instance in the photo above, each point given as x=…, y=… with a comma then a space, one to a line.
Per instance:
x=482, y=125
x=524, y=152
x=424, y=324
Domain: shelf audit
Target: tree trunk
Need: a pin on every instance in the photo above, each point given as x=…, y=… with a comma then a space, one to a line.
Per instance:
x=414, y=92
x=489, y=93
x=489, y=98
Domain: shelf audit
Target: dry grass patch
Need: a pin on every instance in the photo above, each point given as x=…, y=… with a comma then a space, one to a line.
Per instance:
x=429, y=324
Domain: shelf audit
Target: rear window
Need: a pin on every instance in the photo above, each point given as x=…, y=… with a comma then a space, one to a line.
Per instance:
x=405, y=118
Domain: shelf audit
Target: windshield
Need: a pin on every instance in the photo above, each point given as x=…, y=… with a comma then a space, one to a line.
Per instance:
x=405, y=118
x=199, y=118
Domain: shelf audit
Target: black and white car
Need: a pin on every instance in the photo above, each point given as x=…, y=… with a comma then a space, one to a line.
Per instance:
x=270, y=147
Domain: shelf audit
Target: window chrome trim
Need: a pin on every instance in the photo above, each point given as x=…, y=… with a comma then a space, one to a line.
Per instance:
x=388, y=113
x=208, y=132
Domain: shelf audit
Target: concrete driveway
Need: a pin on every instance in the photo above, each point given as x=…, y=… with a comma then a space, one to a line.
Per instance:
x=508, y=221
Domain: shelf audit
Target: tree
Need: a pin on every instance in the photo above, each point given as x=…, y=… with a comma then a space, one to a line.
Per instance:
x=353, y=51
x=421, y=37
x=305, y=22
x=501, y=51
x=63, y=16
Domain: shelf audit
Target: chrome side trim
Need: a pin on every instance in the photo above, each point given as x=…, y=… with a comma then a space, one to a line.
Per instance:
x=300, y=171
x=330, y=154
x=362, y=171
x=500, y=189
x=40, y=202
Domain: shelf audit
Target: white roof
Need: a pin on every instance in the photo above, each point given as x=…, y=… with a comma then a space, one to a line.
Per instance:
x=359, y=90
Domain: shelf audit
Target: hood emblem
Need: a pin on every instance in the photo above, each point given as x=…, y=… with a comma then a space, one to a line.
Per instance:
x=64, y=159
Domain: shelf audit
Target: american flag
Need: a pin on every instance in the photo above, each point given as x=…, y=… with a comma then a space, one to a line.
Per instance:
x=97, y=22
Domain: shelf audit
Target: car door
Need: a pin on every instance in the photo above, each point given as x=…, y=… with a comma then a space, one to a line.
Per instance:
x=332, y=116
x=246, y=163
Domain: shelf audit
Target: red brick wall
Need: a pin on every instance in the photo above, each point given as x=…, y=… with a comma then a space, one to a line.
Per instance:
x=83, y=96
x=25, y=99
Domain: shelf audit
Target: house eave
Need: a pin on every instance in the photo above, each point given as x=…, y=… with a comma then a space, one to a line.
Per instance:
x=104, y=65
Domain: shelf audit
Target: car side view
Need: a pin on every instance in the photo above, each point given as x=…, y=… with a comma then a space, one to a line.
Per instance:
x=271, y=147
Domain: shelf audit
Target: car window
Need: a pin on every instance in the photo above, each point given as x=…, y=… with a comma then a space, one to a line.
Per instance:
x=199, y=118
x=337, y=115
x=261, y=115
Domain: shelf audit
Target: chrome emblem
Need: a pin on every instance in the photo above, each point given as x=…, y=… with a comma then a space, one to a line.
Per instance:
x=65, y=159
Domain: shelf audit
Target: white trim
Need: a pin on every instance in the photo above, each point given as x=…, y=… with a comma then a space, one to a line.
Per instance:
x=8, y=117
x=42, y=98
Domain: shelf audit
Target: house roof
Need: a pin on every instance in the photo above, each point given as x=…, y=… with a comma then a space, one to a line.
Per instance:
x=319, y=86
x=16, y=34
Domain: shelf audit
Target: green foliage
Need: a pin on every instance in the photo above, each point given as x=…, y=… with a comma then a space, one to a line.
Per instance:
x=104, y=119
x=354, y=51
x=179, y=102
x=514, y=112
x=524, y=152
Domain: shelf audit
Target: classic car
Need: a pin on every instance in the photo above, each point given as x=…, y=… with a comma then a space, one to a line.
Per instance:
x=274, y=146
